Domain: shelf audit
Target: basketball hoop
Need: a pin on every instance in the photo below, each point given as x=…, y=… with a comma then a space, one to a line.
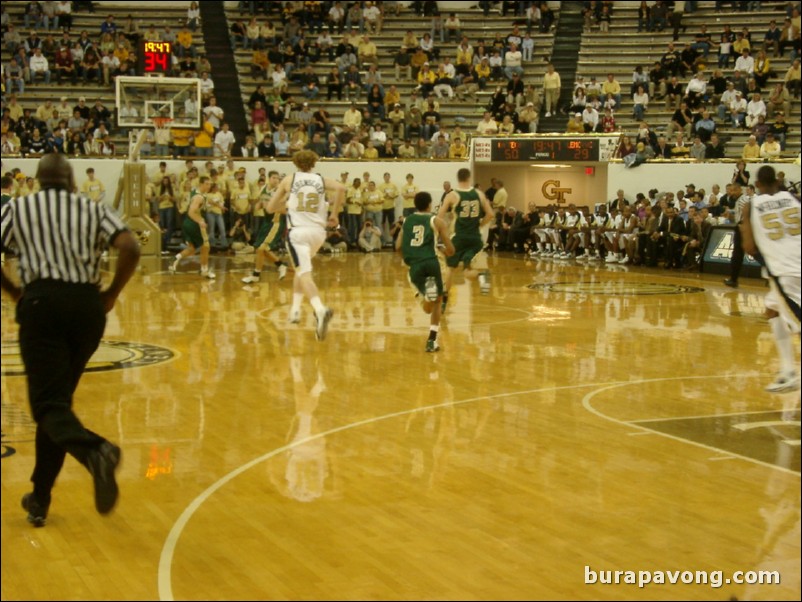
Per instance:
x=161, y=123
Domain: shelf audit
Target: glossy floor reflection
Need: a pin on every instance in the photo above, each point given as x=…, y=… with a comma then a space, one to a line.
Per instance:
x=578, y=416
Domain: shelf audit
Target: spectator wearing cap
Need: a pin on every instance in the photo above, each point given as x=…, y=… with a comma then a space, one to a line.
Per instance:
x=575, y=125
x=527, y=119
x=751, y=149
x=426, y=80
x=396, y=118
x=738, y=109
x=770, y=149
x=65, y=66
x=82, y=107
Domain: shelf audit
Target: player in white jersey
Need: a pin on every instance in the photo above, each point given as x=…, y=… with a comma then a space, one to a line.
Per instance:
x=543, y=232
x=302, y=196
x=574, y=222
x=770, y=228
x=611, y=237
x=627, y=235
x=594, y=236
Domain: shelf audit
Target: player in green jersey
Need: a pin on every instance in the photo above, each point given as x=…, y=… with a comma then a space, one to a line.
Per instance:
x=418, y=244
x=472, y=211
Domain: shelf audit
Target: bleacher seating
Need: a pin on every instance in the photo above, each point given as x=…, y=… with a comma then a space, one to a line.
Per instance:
x=623, y=48
x=475, y=26
x=144, y=15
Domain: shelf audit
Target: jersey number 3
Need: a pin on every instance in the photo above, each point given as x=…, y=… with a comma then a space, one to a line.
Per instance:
x=418, y=232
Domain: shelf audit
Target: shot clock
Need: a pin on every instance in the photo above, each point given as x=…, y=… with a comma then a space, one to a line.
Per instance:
x=155, y=57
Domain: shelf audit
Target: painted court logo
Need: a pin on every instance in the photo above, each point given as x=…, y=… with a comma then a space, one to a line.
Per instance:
x=616, y=288
x=110, y=355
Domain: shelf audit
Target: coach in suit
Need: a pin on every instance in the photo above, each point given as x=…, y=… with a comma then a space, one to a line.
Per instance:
x=675, y=232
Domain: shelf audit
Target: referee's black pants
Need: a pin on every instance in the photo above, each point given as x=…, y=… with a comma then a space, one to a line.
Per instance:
x=61, y=325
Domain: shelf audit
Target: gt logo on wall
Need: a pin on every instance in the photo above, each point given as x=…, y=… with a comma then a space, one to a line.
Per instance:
x=110, y=355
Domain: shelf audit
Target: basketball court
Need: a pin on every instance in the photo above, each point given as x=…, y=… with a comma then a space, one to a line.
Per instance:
x=578, y=420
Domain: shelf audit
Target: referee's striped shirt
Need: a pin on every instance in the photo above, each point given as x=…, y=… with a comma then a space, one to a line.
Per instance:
x=58, y=235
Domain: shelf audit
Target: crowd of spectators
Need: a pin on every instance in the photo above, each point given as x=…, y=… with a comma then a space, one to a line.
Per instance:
x=707, y=98
x=443, y=64
x=661, y=228
x=41, y=46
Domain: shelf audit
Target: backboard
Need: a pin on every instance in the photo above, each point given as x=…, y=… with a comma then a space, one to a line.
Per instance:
x=140, y=99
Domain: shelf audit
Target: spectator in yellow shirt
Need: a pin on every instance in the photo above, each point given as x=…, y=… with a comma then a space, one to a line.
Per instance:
x=751, y=149
x=204, y=140
x=92, y=187
x=457, y=150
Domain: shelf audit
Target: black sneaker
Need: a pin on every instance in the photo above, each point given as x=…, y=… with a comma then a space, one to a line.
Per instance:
x=731, y=282
x=102, y=462
x=37, y=513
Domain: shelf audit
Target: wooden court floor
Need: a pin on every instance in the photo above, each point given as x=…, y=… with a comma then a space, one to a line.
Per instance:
x=578, y=420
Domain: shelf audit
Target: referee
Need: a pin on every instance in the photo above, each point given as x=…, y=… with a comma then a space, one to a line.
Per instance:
x=737, y=258
x=59, y=237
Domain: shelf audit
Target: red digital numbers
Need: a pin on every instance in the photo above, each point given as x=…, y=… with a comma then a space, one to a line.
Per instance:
x=156, y=62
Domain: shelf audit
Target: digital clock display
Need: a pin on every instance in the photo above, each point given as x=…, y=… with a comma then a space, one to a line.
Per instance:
x=155, y=57
x=545, y=149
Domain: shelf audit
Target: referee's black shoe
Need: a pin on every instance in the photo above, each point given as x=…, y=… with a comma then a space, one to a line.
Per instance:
x=37, y=512
x=102, y=463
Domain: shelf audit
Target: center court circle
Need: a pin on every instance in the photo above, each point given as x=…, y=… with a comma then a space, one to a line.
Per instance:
x=110, y=355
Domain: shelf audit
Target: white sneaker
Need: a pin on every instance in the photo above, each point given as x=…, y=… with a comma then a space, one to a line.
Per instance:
x=784, y=383
x=208, y=274
x=173, y=268
x=594, y=258
x=548, y=114
x=250, y=279
x=282, y=271
x=611, y=258
x=625, y=259
x=294, y=317
x=323, y=320
x=431, y=289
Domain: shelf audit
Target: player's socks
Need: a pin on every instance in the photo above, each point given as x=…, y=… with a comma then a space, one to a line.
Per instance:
x=317, y=304
x=785, y=348
x=445, y=302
